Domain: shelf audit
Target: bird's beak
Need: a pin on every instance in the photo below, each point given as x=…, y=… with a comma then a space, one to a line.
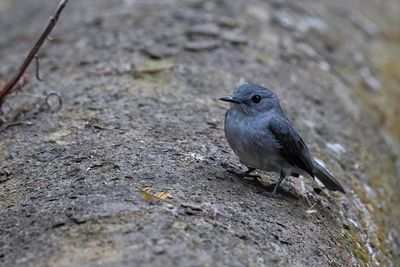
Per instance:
x=229, y=99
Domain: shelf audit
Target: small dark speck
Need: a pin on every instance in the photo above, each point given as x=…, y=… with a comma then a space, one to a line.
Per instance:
x=116, y=167
x=57, y=225
x=224, y=165
x=346, y=226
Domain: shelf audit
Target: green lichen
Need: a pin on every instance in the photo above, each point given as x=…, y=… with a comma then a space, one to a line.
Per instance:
x=357, y=247
x=377, y=239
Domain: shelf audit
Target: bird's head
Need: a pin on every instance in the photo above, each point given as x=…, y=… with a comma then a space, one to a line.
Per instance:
x=253, y=99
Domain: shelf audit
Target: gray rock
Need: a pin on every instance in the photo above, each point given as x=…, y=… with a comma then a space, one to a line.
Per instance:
x=201, y=45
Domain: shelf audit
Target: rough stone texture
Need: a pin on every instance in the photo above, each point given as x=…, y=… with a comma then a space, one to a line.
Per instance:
x=139, y=82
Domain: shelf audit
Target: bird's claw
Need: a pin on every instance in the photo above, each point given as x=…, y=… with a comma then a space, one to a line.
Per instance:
x=275, y=192
x=272, y=194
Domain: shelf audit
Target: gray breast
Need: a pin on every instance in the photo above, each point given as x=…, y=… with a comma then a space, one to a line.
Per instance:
x=251, y=141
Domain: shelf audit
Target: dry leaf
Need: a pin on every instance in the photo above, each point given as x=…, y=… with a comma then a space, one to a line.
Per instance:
x=311, y=211
x=148, y=195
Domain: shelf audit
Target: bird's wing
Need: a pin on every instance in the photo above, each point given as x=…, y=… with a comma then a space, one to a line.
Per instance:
x=293, y=149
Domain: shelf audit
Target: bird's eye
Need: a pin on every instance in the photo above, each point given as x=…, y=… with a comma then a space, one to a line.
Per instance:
x=256, y=99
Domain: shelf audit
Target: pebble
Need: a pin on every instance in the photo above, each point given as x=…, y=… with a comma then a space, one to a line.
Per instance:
x=366, y=26
x=234, y=37
x=337, y=148
x=208, y=29
x=369, y=80
x=201, y=45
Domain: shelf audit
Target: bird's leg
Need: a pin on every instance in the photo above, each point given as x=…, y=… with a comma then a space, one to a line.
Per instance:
x=274, y=191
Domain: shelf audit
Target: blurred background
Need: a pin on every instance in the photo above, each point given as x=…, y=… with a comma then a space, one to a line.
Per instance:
x=139, y=83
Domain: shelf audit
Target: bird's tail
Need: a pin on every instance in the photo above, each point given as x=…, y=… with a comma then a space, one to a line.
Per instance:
x=327, y=178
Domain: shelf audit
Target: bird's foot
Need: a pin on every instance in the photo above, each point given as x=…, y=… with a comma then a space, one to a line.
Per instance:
x=274, y=193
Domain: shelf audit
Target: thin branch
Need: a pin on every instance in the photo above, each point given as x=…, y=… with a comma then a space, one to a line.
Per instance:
x=37, y=68
x=52, y=22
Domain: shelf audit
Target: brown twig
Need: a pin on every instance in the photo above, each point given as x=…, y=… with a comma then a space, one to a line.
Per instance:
x=14, y=80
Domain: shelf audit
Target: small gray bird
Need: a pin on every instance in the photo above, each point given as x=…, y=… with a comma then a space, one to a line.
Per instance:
x=263, y=138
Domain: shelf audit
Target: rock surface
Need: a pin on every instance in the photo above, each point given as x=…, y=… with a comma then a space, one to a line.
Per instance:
x=139, y=82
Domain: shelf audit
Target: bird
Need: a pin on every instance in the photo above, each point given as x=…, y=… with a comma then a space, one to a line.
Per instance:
x=263, y=138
